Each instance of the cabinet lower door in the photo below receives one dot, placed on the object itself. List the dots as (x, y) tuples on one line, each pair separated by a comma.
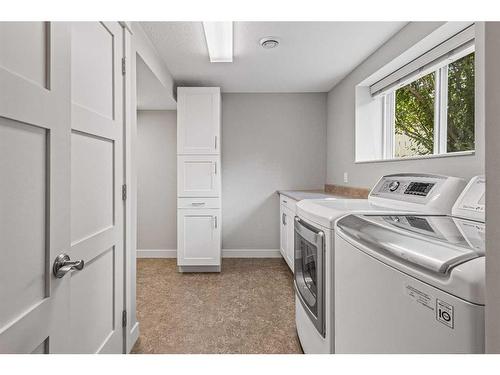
[(284, 220), (198, 238), (290, 234)]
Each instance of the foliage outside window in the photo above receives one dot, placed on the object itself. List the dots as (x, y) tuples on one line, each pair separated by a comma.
[(433, 114)]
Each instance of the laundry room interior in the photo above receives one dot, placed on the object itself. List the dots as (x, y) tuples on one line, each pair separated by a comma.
[(249, 187)]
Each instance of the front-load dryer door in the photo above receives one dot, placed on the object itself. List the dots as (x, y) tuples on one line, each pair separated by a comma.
[(309, 271)]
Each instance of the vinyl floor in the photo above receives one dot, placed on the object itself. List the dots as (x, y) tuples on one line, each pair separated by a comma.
[(247, 308)]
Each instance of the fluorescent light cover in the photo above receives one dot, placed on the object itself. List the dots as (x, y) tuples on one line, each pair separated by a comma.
[(219, 37)]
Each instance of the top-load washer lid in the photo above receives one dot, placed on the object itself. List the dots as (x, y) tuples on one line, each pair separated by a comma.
[(435, 243)]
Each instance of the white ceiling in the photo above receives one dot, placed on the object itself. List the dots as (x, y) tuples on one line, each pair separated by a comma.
[(311, 57)]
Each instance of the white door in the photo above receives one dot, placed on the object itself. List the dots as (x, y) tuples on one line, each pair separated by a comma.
[(198, 176), (61, 167), (199, 240), (96, 301), (283, 231), (198, 120), (34, 185)]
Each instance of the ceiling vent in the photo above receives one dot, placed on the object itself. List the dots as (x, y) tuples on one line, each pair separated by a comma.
[(269, 42)]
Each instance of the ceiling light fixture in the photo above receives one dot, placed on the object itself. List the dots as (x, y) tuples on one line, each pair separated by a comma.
[(269, 42), (219, 37)]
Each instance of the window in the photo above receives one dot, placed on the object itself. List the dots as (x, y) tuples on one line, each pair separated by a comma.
[(433, 114), (421, 104)]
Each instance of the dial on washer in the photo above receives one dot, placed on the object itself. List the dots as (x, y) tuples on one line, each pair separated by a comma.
[(393, 186)]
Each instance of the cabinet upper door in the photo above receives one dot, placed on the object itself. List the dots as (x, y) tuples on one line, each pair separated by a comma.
[(198, 238), (198, 176), (198, 120)]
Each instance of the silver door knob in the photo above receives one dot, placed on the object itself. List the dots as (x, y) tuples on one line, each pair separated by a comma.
[(63, 264)]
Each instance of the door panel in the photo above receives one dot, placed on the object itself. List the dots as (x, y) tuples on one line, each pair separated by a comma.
[(96, 180), (92, 185), (24, 50), (92, 67), (198, 176), (27, 145), (198, 237), (34, 204), (96, 299)]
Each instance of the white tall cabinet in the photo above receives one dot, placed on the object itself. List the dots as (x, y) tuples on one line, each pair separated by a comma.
[(198, 179)]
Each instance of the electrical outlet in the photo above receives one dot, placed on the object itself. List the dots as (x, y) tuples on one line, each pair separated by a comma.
[(346, 177)]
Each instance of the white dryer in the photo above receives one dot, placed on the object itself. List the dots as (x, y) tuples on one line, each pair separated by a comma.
[(412, 283), (315, 245)]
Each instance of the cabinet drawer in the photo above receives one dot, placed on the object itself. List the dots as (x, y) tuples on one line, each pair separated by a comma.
[(198, 203), (288, 202)]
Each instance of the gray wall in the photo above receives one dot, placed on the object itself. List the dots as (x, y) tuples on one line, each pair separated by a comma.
[(269, 142), (341, 123), (156, 180), (492, 114)]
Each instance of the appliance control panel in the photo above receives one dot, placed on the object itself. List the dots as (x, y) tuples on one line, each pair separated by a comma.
[(432, 193), (419, 188), (404, 186)]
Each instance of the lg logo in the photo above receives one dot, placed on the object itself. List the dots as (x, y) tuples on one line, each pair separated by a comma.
[(444, 313)]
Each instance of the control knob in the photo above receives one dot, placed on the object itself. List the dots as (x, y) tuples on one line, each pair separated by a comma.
[(393, 186)]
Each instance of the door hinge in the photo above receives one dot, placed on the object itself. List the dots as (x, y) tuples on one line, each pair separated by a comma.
[(124, 192), (124, 318), (123, 66)]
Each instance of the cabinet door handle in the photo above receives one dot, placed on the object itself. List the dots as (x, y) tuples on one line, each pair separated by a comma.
[(215, 142), (198, 203), (215, 167), (283, 219), (215, 222)]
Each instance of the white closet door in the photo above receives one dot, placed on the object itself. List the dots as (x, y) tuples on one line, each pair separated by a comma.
[(198, 240), (198, 176), (34, 185), (96, 301), (198, 120)]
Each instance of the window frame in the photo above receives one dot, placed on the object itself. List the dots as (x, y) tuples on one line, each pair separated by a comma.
[(440, 111)]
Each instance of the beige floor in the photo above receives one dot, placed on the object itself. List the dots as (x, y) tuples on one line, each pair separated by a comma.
[(247, 308)]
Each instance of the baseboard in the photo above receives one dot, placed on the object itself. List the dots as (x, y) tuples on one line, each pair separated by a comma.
[(251, 253), (226, 253), (156, 253)]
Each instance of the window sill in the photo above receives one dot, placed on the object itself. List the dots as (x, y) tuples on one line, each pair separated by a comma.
[(420, 157)]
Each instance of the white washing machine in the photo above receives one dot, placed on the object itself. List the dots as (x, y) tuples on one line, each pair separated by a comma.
[(412, 283), (314, 243)]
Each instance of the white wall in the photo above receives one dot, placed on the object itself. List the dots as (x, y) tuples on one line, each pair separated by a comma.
[(269, 142), (157, 180), (341, 118)]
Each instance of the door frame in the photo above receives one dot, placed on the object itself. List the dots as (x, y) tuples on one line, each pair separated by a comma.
[(136, 45), (131, 325)]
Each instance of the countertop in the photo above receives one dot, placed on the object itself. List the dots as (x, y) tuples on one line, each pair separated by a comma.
[(299, 195)]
